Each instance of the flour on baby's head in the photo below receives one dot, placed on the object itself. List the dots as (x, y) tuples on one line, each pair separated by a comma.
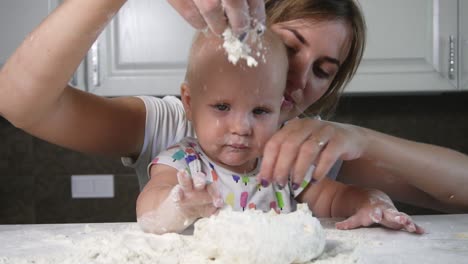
[(208, 59), (211, 54), (237, 49)]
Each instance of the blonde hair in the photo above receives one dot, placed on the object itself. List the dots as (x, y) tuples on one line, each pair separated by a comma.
[(348, 11)]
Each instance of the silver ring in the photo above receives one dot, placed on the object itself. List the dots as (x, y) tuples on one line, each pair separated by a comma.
[(320, 143)]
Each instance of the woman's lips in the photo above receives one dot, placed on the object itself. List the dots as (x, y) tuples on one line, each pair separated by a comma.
[(297, 96), (288, 103)]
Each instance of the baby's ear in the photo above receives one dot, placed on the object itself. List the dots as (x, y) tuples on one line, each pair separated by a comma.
[(186, 99)]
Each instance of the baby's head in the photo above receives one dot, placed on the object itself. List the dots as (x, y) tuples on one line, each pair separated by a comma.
[(234, 108)]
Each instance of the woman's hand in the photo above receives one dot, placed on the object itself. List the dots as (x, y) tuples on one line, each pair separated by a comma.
[(218, 14), (379, 209), (187, 201), (303, 142)]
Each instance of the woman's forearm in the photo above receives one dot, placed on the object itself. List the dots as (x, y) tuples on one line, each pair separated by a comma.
[(38, 71), (439, 172)]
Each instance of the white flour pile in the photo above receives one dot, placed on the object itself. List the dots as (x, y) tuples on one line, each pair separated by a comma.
[(230, 237), (257, 237), (237, 49)]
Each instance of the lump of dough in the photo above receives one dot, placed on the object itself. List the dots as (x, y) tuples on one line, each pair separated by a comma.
[(256, 237)]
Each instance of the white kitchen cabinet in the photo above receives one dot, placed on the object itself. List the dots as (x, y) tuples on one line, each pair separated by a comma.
[(143, 50), (463, 62), (17, 19), (408, 47)]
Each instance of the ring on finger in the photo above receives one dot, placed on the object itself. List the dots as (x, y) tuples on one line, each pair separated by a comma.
[(320, 143)]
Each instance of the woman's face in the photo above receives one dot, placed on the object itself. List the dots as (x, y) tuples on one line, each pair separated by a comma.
[(316, 50)]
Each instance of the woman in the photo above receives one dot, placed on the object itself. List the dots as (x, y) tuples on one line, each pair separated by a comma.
[(416, 173), (35, 97)]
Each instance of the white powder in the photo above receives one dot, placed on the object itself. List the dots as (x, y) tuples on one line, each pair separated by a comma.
[(237, 49), (230, 237), (256, 237)]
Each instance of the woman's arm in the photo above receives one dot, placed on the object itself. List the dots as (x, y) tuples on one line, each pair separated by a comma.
[(35, 95), (416, 173)]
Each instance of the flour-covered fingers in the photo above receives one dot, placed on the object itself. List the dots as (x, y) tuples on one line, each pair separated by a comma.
[(208, 210), (399, 220), (354, 221), (196, 198), (184, 179), (238, 15), (199, 210), (215, 194), (177, 193), (257, 12), (213, 13), (189, 11), (199, 180)]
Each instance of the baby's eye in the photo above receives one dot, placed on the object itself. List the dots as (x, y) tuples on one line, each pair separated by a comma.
[(221, 107), (261, 111)]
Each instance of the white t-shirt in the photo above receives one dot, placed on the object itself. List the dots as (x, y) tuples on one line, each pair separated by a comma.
[(166, 124)]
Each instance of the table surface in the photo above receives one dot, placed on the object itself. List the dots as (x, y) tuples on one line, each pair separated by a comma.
[(446, 241)]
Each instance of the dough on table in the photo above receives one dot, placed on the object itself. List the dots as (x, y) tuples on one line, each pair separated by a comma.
[(256, 237)]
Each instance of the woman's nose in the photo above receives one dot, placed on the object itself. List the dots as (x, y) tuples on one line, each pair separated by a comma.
[(299, 71)]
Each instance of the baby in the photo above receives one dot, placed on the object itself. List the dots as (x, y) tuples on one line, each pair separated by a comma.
[(234, 110)]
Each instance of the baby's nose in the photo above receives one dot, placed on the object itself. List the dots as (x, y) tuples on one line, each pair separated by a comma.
[(241, 125)]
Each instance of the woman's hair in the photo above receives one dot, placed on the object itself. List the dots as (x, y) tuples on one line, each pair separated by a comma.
[(326, 10)]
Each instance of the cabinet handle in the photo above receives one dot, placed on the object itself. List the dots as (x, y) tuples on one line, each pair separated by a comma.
[(95, 64), (451, 69)]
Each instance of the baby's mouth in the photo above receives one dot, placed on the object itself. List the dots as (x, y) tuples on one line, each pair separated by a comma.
[(238, 147)]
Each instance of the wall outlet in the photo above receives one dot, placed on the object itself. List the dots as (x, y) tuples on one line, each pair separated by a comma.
[(92, 186)]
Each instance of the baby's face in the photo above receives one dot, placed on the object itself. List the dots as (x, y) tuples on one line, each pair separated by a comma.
[(236, 109)]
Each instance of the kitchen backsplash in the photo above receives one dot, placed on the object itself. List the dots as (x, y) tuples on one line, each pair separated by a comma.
[(35, 175)]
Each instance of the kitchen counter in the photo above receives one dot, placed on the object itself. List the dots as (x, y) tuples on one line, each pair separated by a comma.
[(446, 241)]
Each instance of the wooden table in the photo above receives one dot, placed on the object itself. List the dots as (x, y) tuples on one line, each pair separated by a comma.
[(446, 242)]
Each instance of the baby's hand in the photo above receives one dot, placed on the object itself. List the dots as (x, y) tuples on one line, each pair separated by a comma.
[(380, 210), (187, 201), (194, 198)]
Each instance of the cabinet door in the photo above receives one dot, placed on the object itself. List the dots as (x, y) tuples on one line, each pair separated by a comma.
[(463, 62), (408, 47), (143, 51)]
